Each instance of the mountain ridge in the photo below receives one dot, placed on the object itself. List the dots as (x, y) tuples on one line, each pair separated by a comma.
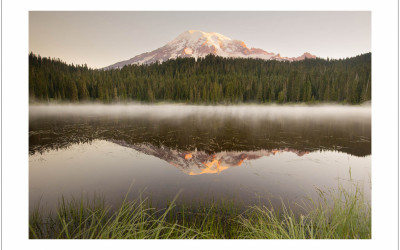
[(196, 43)]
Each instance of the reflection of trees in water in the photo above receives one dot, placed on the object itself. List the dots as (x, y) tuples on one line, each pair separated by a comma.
[(209, 135)]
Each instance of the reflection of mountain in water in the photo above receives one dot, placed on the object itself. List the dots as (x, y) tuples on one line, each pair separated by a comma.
[(200, 162)]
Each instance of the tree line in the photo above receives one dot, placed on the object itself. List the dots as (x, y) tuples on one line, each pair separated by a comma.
[(212, 80)]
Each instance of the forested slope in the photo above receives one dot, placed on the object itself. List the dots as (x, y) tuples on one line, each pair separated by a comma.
[(208, 80)]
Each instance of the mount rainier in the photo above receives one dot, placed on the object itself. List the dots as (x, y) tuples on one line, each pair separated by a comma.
[(196, 43)]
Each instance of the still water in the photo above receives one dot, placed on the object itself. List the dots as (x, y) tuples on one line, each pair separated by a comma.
[(246, 154)]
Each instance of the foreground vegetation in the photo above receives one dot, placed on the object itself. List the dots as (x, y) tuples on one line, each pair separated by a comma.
[(211, 80), (339, 214)]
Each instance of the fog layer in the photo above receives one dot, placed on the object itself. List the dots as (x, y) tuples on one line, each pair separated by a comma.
[(176, 111)]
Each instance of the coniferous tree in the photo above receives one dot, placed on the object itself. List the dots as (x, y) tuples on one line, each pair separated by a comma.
[(208, 80)]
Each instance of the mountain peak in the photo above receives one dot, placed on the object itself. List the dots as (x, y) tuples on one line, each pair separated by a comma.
[(195, 35), (197, 43), (304, 56)]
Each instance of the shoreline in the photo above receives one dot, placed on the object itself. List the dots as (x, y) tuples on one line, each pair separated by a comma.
[(337, 214)]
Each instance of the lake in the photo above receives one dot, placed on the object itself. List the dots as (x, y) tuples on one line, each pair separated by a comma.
[(248, 154)]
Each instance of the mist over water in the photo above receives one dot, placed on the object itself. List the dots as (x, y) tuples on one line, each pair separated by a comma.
[(207, 128), (209, 152), (176, 111)]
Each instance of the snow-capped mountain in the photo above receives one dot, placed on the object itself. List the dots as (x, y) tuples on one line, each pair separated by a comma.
[(196, 43)]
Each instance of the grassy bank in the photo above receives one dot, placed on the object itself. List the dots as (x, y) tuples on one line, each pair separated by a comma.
[(338, 214)]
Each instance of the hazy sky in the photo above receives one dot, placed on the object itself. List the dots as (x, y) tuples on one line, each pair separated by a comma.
[(103, 38)]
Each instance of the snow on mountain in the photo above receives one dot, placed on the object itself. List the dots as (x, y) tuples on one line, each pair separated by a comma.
[(196, 43)]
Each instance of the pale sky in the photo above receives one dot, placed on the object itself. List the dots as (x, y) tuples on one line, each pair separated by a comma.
[(100, 39)]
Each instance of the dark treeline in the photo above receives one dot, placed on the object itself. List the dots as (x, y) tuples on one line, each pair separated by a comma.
[(211, 79)]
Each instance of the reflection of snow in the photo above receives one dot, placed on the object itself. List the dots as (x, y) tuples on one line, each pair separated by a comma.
[(199, 162)]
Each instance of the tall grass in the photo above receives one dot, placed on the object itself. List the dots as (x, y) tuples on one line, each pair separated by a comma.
[(337, 214), (93, 220)]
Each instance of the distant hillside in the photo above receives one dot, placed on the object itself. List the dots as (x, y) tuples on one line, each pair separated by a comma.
[(211, 79)]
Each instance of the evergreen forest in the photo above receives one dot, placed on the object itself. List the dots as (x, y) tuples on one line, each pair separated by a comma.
[(209, 80)]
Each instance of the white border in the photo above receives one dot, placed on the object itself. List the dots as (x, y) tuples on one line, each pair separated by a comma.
[(384, 112)]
